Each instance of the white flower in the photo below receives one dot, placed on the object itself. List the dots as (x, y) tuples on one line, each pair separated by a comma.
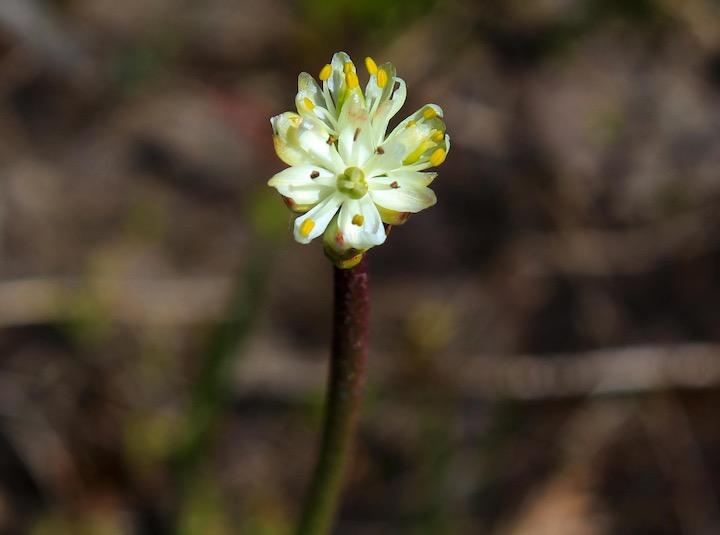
[(346, 176)]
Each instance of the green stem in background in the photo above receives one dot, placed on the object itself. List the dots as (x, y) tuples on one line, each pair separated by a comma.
[(345, 386), (211, 393)]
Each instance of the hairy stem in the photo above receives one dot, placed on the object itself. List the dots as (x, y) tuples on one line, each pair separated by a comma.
[(345, 386)]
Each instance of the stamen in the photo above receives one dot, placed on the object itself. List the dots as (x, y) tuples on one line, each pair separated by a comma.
[(382, 78), (437, 157), (429, 113), (351, 79), (410, 123), (314, 174), (438, 136), (328, 116), (394, 184), (331, 139), (306, 227), (325, 73), (380, 150), (309, 104), (358, 220), (371, 66), (414, 156), (348, 67)]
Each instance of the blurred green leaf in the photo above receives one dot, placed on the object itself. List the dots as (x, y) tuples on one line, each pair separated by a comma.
[(373, 16)]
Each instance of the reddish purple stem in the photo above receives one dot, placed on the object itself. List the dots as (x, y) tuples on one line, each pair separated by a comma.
[(345, 387)]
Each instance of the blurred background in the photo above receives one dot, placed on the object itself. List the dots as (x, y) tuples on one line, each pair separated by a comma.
[(545, 355)]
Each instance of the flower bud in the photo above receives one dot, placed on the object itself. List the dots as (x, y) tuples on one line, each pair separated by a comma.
[(337, 250)]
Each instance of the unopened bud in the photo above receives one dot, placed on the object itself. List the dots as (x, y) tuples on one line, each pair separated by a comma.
[(337, 250)]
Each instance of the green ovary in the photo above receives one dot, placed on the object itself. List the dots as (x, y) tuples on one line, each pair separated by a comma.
[(352, 183)]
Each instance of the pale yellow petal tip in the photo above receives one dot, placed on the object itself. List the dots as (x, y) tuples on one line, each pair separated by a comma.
[(295, 207), (371, 66), (349, 263), (325, 72), (392, 217), (438, 157), (382, 78), (306, 227), (335, 251)]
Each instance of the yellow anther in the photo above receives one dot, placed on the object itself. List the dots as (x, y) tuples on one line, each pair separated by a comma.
[(414, 156), (351, 80), (309, 104), (348, 67), (325, 73), (429, 113), (371, 66), (306, 227), (382, 78), (438, 136), (358, 220), (437, 157), (410, 123)]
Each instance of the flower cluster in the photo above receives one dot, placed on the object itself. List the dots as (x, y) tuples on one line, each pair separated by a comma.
[(347, 177)]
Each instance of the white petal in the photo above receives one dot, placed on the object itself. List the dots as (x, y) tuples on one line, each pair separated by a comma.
[(302, 141), (314, 141), (404, 199), (302, 174), (388, 109), (285, 128), (411, 143), (403, 177), (416, 117), (425, 163), (384, 102), (367, 230), (298, 184), (374, 93), (320, 216), (311, 103), (355, 140), (336, 82), (354, 145), (308, 88)]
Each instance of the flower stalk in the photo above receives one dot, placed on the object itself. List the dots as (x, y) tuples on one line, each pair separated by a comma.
[(345, 387)]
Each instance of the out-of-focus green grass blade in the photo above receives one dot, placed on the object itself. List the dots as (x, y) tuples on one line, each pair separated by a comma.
[(212, 391)]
